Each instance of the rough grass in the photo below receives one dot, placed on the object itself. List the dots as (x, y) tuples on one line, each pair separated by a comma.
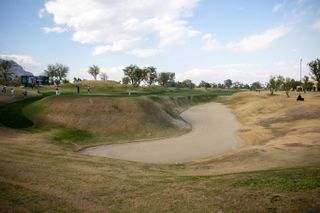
[(266, 118), (278, 132), (40, 177), (106, 120)]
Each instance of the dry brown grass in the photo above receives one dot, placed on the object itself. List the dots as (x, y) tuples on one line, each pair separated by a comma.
[(278, 131), (108, 120), (38, 176)]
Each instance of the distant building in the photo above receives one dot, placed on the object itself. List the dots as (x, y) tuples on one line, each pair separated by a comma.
[(34, 80)]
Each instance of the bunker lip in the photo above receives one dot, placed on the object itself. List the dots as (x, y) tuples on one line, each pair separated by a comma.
[(213, 133)]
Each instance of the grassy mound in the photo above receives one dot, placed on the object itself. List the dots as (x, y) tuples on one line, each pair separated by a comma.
[(110, 119)]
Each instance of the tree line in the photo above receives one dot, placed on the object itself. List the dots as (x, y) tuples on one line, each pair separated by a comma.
[(136, 76)]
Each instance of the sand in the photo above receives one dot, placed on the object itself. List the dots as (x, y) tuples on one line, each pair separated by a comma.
[(213, 132)]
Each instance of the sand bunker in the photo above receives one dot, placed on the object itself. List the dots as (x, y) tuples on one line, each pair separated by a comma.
[(213, 132)]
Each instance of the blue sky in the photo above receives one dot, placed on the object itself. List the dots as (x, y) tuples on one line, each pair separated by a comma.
[(211, 40)]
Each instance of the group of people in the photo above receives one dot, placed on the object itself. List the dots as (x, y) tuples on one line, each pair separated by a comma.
[(4, 91), (78, 89), (25, 93), (57, 89)]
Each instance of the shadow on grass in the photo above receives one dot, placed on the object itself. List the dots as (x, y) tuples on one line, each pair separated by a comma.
[(11, 115)]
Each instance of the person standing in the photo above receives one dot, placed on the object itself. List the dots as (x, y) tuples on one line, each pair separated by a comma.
[(4, 89), (12, 92), (88, 89), (57, 90), (78, 89)]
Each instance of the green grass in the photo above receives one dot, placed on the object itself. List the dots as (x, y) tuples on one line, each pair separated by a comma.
[(67, 135), (22, 199), (284, 180), (11, 115)]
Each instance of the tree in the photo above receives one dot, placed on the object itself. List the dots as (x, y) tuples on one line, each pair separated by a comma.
[(165, 77), (5, 72), (103, 76), (315, 69), (75, 80), (288, 84), (237, 85), (56, 72), (204, 84), (62, 72), (51, 73), (125, 80), (228, 83), (275, 83), (94, 70), (151, 75), (307, 85), (256, 85), (135, 74), (272, 84)]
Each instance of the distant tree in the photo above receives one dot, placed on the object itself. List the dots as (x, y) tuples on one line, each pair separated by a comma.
[(94, 70), (237, 85), (228, 83), (246, 86), (288, 84), (221, 86), (275, 83), (204, 84), (151, 75), (165, 77), (5, 73), (214, 85), (315, 69), (56, 73), (272, 84), (62, 72), (51, 73), (135, 74), (125, 80), (103, 76), (188, 84), (256, 85), (75, 80), (307, 85)]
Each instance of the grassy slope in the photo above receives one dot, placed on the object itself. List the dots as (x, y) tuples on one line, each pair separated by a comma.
[(105, 115), (38, 176), (104, 120), (278, 131)]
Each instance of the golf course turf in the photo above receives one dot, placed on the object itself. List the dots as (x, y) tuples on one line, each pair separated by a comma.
[(277, 170)]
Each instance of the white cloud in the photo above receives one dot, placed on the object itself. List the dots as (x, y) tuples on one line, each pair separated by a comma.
[(209, 43), (130, 26), (259, 41), (27, 62), (53, 29), (316, 25), (277, 7)]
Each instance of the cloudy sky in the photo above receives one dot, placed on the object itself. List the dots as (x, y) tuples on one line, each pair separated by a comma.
[(211, 40)]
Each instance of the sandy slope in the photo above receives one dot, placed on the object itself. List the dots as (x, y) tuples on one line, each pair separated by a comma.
[(214, 132)]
